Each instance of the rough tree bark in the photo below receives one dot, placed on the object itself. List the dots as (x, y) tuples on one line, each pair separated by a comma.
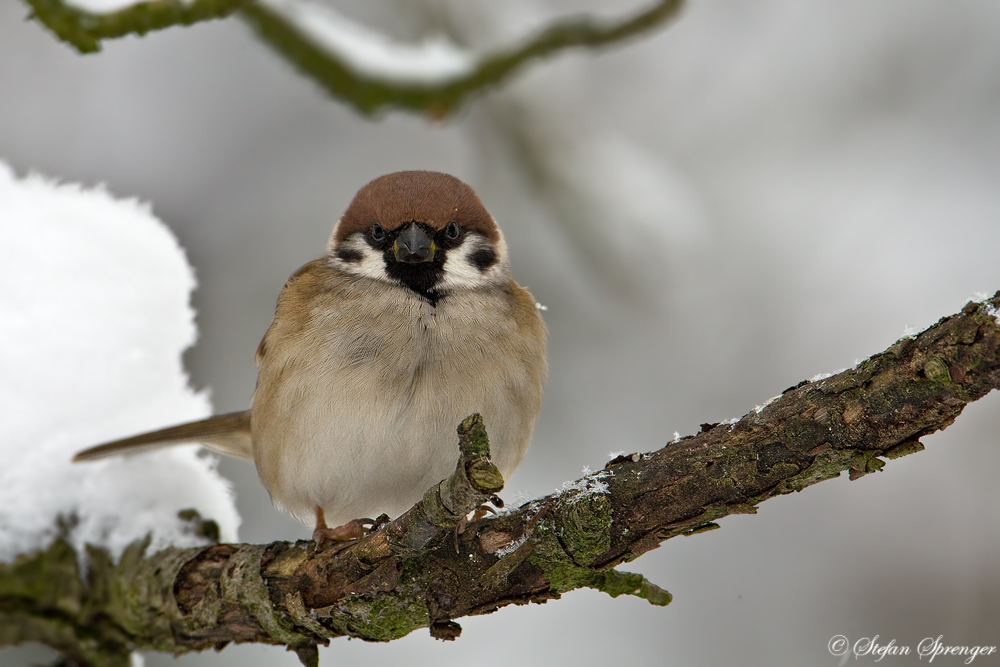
[(429, 567)]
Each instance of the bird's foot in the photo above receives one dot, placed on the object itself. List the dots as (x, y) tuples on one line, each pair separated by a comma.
[(352, 530), (476, 515)]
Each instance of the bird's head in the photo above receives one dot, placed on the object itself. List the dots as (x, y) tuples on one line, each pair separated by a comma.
[(421, 229)]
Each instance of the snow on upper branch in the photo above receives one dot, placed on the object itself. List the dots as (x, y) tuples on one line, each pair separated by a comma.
[(94, 316), (105, 6), (372, 54)]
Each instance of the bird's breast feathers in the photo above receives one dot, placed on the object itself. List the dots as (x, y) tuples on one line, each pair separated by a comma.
[(361, 387)]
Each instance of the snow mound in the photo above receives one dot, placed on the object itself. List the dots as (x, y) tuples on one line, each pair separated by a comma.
[(94, 316)]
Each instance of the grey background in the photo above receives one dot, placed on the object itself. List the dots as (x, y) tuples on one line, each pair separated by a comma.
[(829, 176)]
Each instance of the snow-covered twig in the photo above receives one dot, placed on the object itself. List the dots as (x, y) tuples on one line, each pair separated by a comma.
[(355, 64)]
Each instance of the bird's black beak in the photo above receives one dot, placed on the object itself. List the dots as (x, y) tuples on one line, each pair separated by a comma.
[(413, 245)]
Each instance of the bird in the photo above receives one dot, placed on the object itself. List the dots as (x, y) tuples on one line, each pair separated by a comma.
[(408, 323)]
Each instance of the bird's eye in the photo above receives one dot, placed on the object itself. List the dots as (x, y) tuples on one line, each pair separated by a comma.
[(451, 231), (378, 234)]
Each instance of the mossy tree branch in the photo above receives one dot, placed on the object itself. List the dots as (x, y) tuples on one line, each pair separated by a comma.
[(85, 31), (369, 94), (366, 93), (428, 568)]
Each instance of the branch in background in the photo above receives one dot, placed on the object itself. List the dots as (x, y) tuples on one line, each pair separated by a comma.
[(330, 62), (363, 69), (426, 568), (85, 29)]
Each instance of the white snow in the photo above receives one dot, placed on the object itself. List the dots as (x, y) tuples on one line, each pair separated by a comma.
[(94, 316), (105, 6), (823, 376), (977, 297), (371, 53), (760, 408), (993, 312)]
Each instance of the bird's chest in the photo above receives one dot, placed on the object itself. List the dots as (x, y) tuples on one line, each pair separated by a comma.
[(401, 353), (361, 405)]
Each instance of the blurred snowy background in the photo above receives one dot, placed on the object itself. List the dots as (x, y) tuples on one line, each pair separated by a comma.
[(759, 193)]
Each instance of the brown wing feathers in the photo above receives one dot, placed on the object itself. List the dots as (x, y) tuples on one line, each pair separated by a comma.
[(223, 434)]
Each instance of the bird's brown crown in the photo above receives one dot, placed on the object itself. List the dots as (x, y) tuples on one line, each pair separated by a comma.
[(428, 197)]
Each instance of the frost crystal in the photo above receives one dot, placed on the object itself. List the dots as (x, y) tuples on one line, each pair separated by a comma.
[(993, 312), (511, 547), (590, 483), (522, 497)]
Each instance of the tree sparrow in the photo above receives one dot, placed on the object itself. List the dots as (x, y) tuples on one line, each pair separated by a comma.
[(409, 323)]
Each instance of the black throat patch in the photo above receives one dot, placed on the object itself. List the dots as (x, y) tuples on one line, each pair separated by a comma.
[(421, 277)]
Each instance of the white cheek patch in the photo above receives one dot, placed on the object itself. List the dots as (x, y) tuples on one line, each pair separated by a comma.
[(370, 265), (461, 272)]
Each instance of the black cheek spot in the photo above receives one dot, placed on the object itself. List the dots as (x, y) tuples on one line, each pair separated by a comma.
[(349, 255), (483, 258)]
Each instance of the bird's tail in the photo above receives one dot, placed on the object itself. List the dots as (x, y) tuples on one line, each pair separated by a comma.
[(223, 434)]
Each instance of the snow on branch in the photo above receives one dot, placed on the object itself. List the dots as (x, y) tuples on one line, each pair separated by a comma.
[(371, 73), (430, 566), (370, 54), (353, 63), (94, 316)]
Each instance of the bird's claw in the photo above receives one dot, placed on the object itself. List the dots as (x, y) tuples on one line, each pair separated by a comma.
[(352, 530)]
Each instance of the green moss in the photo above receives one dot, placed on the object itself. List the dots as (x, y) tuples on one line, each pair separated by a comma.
[(548, 554), (564, 574), (385, 617), (584, 527), (485, 477), (936, 370), (51, 578), (49, 581), (85, 30), (472, 437), (827, 465), (904, 449), (616, 583), (703, 528)]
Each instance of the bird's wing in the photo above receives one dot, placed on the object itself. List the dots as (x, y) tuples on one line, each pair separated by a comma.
[(224, 434)]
